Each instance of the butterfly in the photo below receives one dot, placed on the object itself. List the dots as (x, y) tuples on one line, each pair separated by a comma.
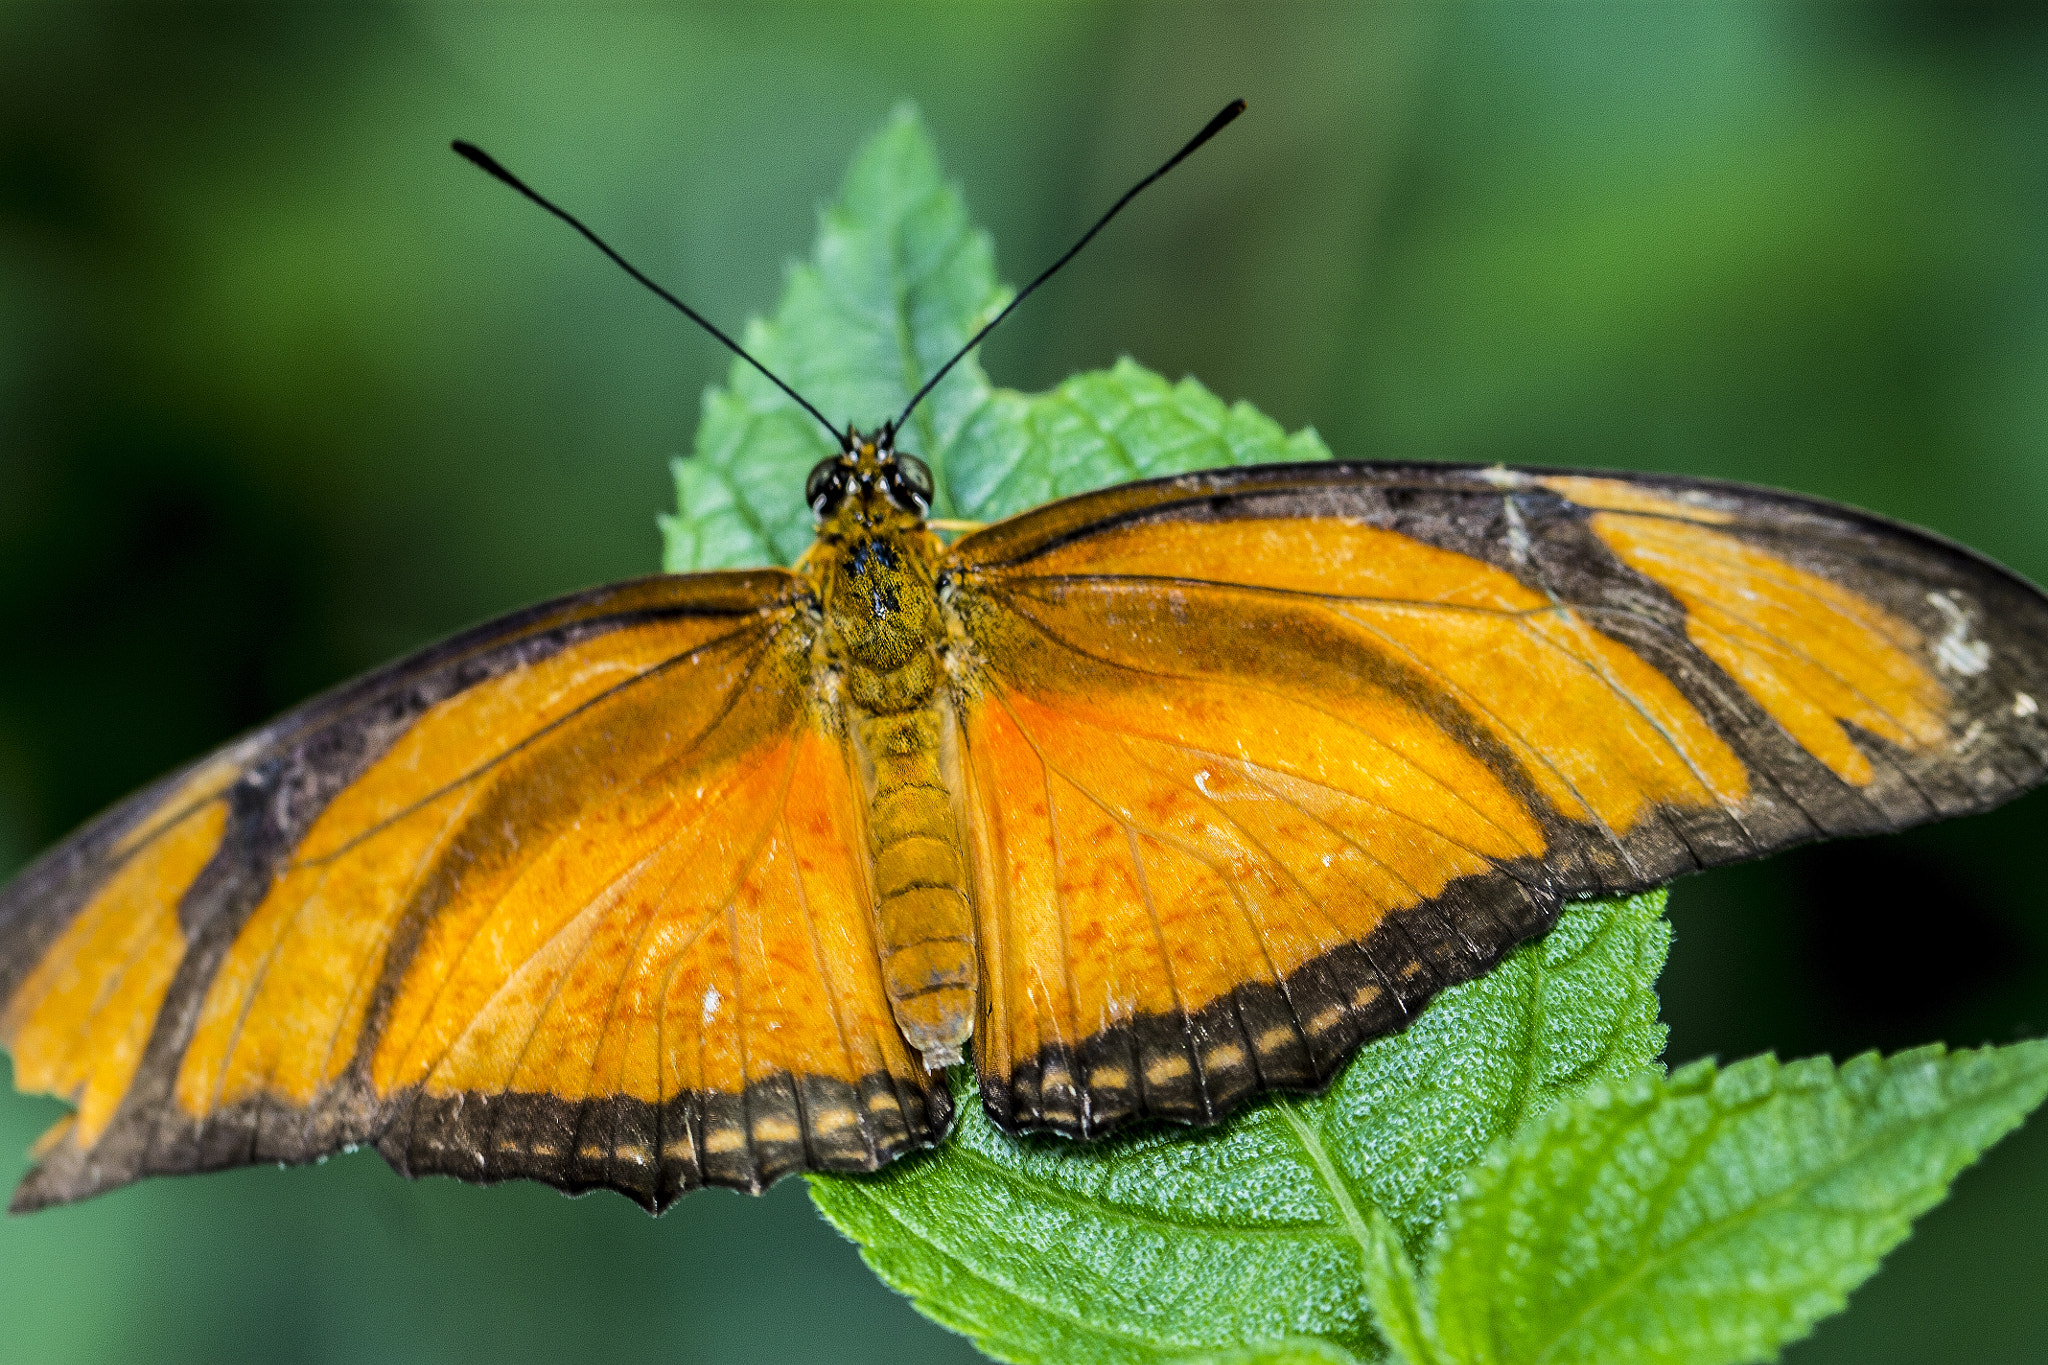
[(1144, 803)]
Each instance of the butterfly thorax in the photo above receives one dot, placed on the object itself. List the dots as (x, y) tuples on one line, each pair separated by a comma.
[(873, 567)]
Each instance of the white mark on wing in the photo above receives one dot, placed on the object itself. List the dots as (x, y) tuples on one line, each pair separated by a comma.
[(710, 1003), (1518, 533), (1500, 476), (1202, 782), (2023, 705), (1956, 651)]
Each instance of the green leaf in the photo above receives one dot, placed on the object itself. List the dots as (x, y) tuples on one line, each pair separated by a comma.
[(1393, 1290), (1152, 1247), (1296, 1351), (1717, 1215), (897, 281)]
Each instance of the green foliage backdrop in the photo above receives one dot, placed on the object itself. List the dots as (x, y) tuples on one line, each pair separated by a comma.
[(285, 389)]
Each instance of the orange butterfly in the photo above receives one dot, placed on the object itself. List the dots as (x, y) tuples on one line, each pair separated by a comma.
[(1149, 801)]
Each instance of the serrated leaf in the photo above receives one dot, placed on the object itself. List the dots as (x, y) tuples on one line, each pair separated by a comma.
[(897, 281), (1716, 1215), (1168, 1243), (1106, 427)]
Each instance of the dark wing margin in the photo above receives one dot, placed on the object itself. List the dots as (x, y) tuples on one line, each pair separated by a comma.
[(114, 944), (1633, 677), (306, 755)]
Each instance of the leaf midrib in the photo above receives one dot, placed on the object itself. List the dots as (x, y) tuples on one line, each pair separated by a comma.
[(1777, 1202), (1071, 1202), (978, 1271), (1335, 1184)]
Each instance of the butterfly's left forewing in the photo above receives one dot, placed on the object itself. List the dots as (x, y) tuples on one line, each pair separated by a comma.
[(1259, 760), (579, 896)]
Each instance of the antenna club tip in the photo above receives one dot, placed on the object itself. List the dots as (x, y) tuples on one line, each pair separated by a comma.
[(1224, 118), (485, 162)]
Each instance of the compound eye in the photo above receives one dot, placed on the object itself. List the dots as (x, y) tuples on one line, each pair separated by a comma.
[(915, 476), (823, 483)]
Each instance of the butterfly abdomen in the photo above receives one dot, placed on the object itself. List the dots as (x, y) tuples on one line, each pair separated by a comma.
[(885, 618)]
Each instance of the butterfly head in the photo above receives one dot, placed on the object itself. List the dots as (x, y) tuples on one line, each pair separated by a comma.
[(869, 483)]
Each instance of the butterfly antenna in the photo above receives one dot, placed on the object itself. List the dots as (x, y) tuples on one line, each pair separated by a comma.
[(1213, 127), (484, 161)]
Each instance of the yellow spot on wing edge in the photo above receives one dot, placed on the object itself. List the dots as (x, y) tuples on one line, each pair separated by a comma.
[(1276, 1037), (725, 1138), (773, 1129), (1225, 1057), (1168, 1068), (834, 1120)]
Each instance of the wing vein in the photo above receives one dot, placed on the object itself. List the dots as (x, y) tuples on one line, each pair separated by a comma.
[(803, 906), (1236, 892), (1180, 1008), (725, 710), (1443, 785), (609, 694)]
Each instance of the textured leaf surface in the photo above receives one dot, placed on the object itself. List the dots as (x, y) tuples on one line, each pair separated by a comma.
[(1714, 1216), (1300, 1351), (897, 281), (1392, 1288), (1166, 1244)]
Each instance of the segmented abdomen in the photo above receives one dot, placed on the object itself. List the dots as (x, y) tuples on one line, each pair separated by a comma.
[(926, 928)]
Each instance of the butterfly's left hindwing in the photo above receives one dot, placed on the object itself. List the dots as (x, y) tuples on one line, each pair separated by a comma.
[(1259, 760), (576, 896)]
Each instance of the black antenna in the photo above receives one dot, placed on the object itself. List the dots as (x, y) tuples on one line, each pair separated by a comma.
[(483, 160), (1214, 126)]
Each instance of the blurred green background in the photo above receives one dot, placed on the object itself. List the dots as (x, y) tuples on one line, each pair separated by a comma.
[(286, 389)]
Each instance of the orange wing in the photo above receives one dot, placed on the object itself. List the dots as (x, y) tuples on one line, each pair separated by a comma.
[(1259, 760), (578, 896)]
